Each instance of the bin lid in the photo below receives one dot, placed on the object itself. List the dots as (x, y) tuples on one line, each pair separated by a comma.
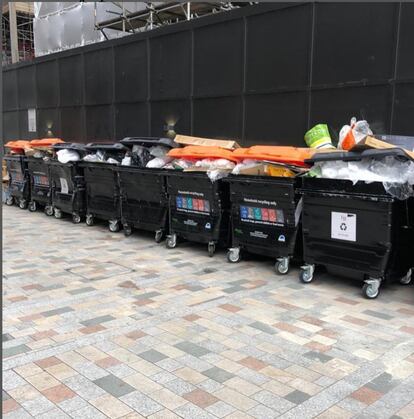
[(70, 146), (149, 142), (358, 155), (116, 147)]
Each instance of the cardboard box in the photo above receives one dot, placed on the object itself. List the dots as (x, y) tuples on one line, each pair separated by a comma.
[(188, 140), (258, 170), (372, 142)]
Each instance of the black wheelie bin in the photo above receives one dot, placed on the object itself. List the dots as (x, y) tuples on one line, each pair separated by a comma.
[(198, 209), (68, 185), (265, 218), (101, 183), (19, 180), (144, 202), (356, 230), (40, 185)]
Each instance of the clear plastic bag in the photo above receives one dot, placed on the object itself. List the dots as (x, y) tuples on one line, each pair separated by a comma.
[(245, 164), (158, 151), (140, 156), (158, 162), (352, 134)]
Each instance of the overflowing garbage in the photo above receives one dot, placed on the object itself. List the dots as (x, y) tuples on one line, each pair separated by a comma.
[(346, 203)]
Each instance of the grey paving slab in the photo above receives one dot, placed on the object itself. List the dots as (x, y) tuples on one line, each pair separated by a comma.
[(114, 385)]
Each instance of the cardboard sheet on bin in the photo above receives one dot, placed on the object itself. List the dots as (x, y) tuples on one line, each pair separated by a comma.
[(189, 140), (372, 142)]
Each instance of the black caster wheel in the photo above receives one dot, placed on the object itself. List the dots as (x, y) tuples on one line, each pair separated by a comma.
[(10, 201), (306, 275), (233, 255), (406, 279), (58, 213), (32, 206), (76, 218), (211, 248), (371, 290), (89, 220), (282, 266), (159, 234), (114, 226), (22, 204), (171, 241), (49, 210), (127, 230)]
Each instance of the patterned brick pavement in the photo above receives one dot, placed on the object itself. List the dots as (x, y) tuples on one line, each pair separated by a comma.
[(98, 325)]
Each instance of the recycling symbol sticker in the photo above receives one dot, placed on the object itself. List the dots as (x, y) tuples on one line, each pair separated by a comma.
[(343, 226)]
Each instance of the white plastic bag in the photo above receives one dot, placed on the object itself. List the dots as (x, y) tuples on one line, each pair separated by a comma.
[(352, 134), (126, 161), (65, 156), (158, 151), (158, 162), (245, 164)]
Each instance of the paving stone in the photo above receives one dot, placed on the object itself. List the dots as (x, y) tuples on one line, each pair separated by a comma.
[(263, 327), (114, 386), (15, 350), (378, 314), (152, 356), (97, 320), (297, 397), (81, 290), (218, 374), (6, 337), (56, 311), (192, 348), (141, 403)]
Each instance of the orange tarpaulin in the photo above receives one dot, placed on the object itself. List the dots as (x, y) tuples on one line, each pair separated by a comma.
[(45, 142), (280, 154), (194, 152), (18, 146)]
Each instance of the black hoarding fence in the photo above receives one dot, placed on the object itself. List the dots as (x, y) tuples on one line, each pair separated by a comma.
[(261, 74)]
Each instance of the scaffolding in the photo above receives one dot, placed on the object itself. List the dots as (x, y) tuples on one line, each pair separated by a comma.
[(24, 32), (153, 15)]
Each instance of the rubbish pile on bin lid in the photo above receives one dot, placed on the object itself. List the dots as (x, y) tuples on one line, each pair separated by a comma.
[(69, 152), (362, 157), (148, 152), (43, 148), (111, 153)]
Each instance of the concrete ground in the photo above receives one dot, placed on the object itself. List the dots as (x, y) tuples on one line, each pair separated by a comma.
[(98, 325)]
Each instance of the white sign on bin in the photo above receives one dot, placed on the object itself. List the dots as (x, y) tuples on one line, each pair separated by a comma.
[(343, 226)]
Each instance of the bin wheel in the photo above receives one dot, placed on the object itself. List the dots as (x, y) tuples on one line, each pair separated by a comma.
[(10, 201), (22, 204), (32, 206), (58, 213), (306, 274), (233, 255), (371, 289), (159, 234), (89, 220), (76, 218), (282, 266), (127, 230), (406, 279), (49, 210), (211, 248), (171, 241), (114, 226)]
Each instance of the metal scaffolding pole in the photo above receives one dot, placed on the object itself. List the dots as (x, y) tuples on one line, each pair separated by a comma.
[(13, 33)]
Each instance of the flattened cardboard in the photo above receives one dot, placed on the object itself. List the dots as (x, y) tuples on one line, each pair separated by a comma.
[(188, 140)]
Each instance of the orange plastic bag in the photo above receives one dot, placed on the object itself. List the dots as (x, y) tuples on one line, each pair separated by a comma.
[(281, 154), (194, 152)]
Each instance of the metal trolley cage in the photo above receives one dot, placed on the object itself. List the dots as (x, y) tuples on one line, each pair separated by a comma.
[(68, 184), (19, 180), (358, 231), (265, 218), (198, 210), (40, 185), (102, 188)]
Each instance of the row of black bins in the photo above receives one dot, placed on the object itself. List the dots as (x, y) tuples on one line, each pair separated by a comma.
[(358, 230)]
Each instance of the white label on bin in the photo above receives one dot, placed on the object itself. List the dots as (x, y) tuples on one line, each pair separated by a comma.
[(64, 185), (343, 226)]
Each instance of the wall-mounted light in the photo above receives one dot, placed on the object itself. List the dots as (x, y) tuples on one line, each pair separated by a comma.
[(169, 129), (49, 132)]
